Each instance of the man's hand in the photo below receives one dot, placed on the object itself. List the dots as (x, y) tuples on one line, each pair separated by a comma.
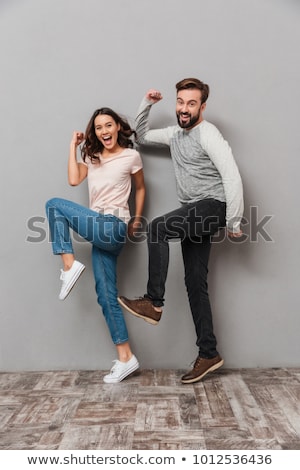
[(235, 234), (154, 95)]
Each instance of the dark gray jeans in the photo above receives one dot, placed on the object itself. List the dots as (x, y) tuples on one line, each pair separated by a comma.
[(193, 224)]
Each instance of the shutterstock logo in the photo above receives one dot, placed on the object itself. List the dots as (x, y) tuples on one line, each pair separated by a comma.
[(255, 229), (258, 230)]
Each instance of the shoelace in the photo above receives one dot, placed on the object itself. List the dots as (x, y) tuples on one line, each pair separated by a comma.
[(193, 363), (62, 275), (115, 367)]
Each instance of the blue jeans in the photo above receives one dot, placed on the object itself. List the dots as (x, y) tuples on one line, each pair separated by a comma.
[(193, 224), (107, 234)]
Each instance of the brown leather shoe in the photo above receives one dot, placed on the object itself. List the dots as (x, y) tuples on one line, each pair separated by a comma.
[(201, 367), (142, 308)]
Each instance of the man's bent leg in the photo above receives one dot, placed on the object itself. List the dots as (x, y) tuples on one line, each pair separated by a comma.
[(160, 230), (202, 217)]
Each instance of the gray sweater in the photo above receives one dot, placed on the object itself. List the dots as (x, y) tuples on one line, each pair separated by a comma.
[(203, 163)]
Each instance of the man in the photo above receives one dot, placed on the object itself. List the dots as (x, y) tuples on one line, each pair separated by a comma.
[(210, 191)]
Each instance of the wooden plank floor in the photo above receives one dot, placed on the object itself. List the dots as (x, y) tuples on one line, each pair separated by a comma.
[(229, 409)]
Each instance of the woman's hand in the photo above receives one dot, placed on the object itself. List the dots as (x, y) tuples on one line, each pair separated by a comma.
[(135, 227), (77, 172), (77, 138)]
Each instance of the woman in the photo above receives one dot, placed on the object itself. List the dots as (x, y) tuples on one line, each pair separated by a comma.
[(110, 163)]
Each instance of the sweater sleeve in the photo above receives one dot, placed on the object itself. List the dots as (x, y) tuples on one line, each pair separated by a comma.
[(221, 155), (144, 134)]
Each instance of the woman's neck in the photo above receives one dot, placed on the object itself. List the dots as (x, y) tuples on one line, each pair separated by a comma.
[(107, 153)]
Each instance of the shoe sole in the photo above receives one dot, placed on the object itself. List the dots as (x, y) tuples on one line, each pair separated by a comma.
[(131, 371), (211, 369), (73, 282), (147, 319)]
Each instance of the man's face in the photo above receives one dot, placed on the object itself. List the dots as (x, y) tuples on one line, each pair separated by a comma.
[(189, 108)]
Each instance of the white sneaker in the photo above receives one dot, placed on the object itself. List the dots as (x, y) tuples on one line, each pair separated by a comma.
[(120, 370), (69, 278)]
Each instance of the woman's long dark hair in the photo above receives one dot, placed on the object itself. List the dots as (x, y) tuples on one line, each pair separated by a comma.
[(93, 146)]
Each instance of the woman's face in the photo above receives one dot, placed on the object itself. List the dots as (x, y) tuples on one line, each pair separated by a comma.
[(106, 130)]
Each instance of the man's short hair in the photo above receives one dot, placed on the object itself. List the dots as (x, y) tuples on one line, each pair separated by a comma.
[(194, 83)]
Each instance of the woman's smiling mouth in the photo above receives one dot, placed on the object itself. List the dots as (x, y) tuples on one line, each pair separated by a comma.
[(107, 140)]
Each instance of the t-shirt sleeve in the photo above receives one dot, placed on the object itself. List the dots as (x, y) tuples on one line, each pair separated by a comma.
[(137, 163)]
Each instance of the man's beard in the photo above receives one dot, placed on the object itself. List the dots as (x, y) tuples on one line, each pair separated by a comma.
[(190, 123)]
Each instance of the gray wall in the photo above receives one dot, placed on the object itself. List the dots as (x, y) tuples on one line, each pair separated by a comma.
[(60, 59)]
